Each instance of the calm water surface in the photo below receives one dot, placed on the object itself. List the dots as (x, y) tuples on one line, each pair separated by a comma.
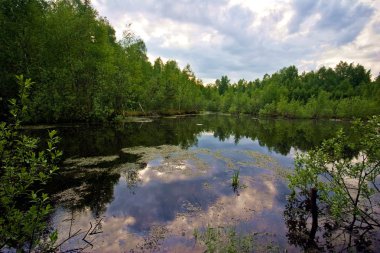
[(153, 186)]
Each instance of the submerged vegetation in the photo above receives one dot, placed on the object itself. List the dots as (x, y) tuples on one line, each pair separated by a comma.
[(85, 74)]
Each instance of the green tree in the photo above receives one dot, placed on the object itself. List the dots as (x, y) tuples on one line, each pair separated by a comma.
[(22, 35), (222, 84)]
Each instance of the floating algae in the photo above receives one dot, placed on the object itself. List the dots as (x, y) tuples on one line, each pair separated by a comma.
[(153, 241), (89, 161), (229, 163), (169, 163), (170, 159), (264, 161), (112, 163), (175, 162), (70, 195), (150, 153)]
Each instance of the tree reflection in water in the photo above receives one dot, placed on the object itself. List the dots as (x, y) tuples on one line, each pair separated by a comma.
[(96, 172), (320, 233)]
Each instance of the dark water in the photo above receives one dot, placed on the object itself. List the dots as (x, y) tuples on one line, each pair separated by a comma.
[(153, 186)]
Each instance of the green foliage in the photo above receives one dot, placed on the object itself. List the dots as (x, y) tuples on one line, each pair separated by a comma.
[(268, 110), (343, 92), (222, 84), (85, 74), (235, 180), (22, 35), (344, 173), (222, 239), (25, 168)]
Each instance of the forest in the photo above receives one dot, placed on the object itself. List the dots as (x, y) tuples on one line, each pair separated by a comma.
[(82, 73)]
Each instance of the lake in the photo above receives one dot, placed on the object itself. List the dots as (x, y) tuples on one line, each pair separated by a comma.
[(165, 184)]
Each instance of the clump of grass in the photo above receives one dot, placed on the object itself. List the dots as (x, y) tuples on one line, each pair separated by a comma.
[(196, 234), (235, 180), (224, 239)]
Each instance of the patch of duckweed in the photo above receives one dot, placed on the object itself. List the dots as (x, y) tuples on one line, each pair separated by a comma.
[(189, 208), (71, 195), (153, 241), (89, 161), (229, 163), (174, 159), (150, 153), (264, 161)]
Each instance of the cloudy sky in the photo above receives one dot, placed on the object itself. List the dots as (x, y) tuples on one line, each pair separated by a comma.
[(248, 38)]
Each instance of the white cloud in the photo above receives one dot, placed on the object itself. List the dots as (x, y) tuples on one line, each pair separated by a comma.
[(246, 39)]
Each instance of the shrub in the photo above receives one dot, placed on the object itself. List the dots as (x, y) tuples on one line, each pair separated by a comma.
[(24, 170)]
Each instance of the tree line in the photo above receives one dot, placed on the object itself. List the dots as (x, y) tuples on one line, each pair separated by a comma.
[(83, 73), (345, 91)]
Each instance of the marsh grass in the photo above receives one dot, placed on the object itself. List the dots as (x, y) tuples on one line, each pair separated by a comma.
[(235, 180), (223, 239)]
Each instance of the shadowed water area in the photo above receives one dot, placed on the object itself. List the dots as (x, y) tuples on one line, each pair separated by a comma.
[(165, 185)]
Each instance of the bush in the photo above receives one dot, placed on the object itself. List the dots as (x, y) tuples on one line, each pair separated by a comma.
[(344, 174), (24, 170), (269, 110)]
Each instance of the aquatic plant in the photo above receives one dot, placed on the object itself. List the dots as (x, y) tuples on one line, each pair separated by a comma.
[(196, 234), (224, 239), (235, 180)]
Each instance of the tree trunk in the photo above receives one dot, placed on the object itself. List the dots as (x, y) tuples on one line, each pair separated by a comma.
[(314, 214)]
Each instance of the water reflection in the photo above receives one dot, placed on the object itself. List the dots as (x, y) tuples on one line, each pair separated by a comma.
[(179, 208), (93, 190), (277, 135), (154, 183), (322, 234)]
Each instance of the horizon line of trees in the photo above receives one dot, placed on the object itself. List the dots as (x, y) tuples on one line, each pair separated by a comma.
[(83, 73), (345, 91), (80, 70)]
